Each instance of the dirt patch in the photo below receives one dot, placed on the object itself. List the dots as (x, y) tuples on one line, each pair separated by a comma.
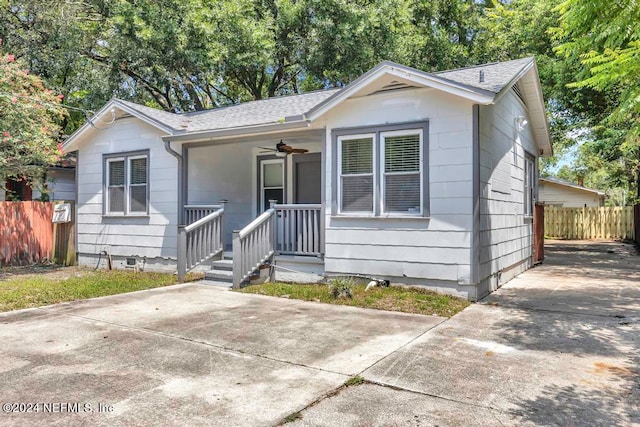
[(606, 368)]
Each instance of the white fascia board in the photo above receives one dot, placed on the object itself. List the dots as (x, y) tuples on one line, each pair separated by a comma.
[(236, 131), (70, 144)]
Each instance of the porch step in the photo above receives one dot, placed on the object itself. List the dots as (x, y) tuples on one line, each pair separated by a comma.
[(217, 284), (222, 264), (219, 275)]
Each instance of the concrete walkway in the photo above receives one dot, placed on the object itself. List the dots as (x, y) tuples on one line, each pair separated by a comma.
[(558, 345)]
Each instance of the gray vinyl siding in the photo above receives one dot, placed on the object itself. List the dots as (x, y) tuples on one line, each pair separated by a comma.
[(433, 250), (505, 233), (61, 185), (150, 236)]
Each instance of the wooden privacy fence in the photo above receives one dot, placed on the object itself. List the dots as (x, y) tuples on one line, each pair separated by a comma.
[(26, 232), (636, 211), (27, 235), (589, 223)]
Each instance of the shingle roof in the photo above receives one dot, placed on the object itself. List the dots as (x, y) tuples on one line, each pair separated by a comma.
[(250, 113), (277, 109), (554, 180), (496, 75)]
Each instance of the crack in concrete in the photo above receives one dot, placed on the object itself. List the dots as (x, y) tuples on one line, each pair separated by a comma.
[(204, 343)]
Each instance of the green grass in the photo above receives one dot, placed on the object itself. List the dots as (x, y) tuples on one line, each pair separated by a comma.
[(408, 300), (357, 380), (50, 286)]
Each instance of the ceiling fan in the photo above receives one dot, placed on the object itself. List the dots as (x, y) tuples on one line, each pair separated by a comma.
[(283, 149)]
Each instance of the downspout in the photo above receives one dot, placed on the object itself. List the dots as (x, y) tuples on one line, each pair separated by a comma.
[(167, 146), (181, 254), (475, 232)]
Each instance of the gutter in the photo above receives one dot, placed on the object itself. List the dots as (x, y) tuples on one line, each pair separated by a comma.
[(299, 122)]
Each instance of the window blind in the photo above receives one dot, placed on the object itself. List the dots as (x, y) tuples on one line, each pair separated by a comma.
[(116, 186), (357, 175), (402, 177), (138, 184)]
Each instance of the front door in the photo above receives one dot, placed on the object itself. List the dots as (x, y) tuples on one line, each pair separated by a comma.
[(271, 181), (307, 178)]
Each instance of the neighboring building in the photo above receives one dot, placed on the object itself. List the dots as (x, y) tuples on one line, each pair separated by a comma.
[(558, 192), (60, 182), (421, 178)]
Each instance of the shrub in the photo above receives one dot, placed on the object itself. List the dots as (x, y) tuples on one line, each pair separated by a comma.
[(341, 287)]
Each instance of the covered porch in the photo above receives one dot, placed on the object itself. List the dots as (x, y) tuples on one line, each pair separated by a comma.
[(246, 205)]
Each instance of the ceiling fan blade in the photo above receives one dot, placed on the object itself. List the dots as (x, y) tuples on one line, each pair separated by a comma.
[(299, 150), (268, 148)]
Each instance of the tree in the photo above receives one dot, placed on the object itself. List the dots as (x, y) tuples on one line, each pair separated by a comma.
[(605, 37), (29, 123)]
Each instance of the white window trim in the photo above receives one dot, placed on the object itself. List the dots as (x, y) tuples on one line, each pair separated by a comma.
[(263, 202), (529, 188), (126, 157), (383, 174), (372, 174)]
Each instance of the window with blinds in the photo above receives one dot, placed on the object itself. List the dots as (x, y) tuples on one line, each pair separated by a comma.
[(127, 185), (116, 184), (401, 173), (380, 171), (138, 184), (356, 174)]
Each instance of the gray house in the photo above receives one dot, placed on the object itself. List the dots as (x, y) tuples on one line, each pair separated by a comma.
[(420, 178)]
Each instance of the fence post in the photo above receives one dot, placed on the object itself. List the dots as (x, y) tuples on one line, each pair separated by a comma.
[(182, 253), (237, 259)]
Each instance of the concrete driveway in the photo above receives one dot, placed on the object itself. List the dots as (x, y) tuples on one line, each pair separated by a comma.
[(187, 355), (558, 345)]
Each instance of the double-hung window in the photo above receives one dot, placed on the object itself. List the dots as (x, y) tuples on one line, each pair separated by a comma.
[(529, 184), (402, 172), (127, 184), (356, 173), (381, 172)]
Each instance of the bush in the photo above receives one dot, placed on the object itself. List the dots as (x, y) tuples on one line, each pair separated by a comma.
[(341, 287)]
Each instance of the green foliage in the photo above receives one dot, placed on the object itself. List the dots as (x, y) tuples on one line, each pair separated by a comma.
[(52, 285), (357, 380), (29, 122), (408, 300), (605, 38), (341, 287)]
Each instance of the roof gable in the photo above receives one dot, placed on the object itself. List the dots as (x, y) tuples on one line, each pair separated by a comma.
[(482, 84)]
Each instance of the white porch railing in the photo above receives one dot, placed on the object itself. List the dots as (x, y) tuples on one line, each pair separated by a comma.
[(282, 229), (253, 246), (299, 229), (193, 213), (199, 242)]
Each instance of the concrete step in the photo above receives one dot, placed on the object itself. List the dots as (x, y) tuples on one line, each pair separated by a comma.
[(219, 275), (216, 283), (222, 264)]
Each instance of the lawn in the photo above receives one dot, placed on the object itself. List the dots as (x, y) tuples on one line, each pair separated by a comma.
[(408, 300), (34, 286)]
